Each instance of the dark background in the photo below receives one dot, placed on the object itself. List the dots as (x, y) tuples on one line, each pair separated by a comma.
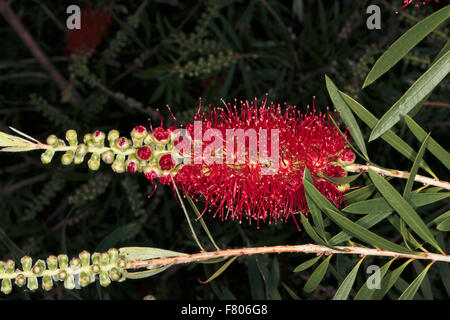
[(278, 47)]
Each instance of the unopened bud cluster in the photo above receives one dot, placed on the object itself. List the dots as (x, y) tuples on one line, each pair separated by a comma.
[(151, 153), (75, 273)]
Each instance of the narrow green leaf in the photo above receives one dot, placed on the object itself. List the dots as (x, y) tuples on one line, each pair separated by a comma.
[(418, 91), (291, 292), (344, 289), (389, 136), (311, 232), (433, 146), (403, 208), (380, 205), (307, 264), (389, 280), (359, 194), (444, 225), (147, 253), (220, 270), (348, 225), (342, 180), (257, 289), (405, 43), (147, 273), (414, 168), (440, 218), (425, 287), (317, 276), (317, 217), (411, 291), (365, 293), (346, 115)]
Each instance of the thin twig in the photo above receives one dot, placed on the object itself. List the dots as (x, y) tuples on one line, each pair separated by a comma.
[(398, 174), (437, 104), (304, 248)]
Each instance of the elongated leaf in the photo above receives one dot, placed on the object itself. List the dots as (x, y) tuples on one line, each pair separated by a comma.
[(366, 293), (346, 115), (380, 205), (147, 273), (344, 289), (417, 92), (405, 43), (440, 218), (389, 280), (411, 291), (311, 232), (220, 270), (348, 225), (257, 289), (425, 287), (146, 253), (317, 276), (359, 194), (444, 225), (307, 264), (403, 208), (389, 136), (415, 167), (433, 146), (291, 292), (317, 217), (343, 180)]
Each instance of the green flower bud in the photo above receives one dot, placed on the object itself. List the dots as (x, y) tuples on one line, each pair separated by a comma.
[(69, 283), (108, 156), (114, 274), (113, 135), (95, 258), (47, 156), (98, 137), (94, 162), (63, 261), (20, 280), (52, 263), (26, 263), (113, 255), (9, 266), (343, 187), (47, 283), (84, 279), (67, 158), (118, 167), (88, 139), (104, 279), (122, 143), (71, 137), (62, 275), (81, 150), (104, 259), (95, 268), (6, 286), (75, 263), (85, 258), (37, 269), (122, 263), (32, 283), (52, 140), (2, 267)]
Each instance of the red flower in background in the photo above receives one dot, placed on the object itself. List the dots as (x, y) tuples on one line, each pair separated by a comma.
[(242, 191), (416, 4), (95, 23)]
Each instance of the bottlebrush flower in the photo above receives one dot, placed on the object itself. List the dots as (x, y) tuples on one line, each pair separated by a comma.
[(242, 190), (95, 23)]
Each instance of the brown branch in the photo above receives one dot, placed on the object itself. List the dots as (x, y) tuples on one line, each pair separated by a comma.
[(437, 104), (28, 40), (304, 248), (398, 174)]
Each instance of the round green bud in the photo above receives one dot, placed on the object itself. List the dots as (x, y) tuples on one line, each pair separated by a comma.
[(87, 139), (71, 137), (32, 283), (62, 275), (108, 156), (85, 258), (67, 158), (37, 269), (52, 140), (113, 255), (104, 259), (95, 268), (75, 262), (122, 143), (98, 137), (52, 262), (113, 135), (63, 261), (20, 280), (26, 263), (81, 150), (118, 167), (47, 283), (104, 279), (122, 263), (10, 265), (69, 283), (6, 286), (94, 165), (114, 274), (84, 279), (95, 258), (47, 156), (343, 187)]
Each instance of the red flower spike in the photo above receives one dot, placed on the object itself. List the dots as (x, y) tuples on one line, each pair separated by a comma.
[(144, 153), (242, 191), (95, 23), (416, 4), (347, 156), (166, 162)]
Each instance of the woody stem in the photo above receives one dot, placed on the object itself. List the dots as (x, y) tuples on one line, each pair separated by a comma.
[(304, 248), (356, 167)]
